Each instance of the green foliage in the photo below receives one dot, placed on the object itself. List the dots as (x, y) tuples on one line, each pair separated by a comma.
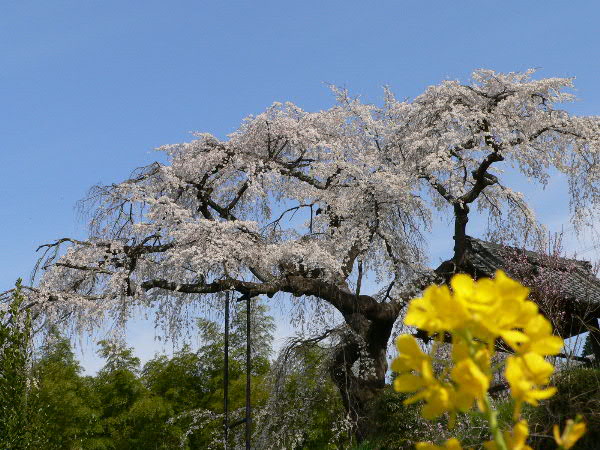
[(472, 427), (19, 409), (125, 406), (394, 425), (132, 416), (48, 404), (325, 406), (365, 445), (118, 357), (399, 426), (203, 372), (303, 409), (578, 393), (70, 404), (177, 380), (178, 383)]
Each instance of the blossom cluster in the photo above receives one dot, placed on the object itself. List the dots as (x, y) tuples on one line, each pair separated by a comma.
[(320, 193), (476, 317)]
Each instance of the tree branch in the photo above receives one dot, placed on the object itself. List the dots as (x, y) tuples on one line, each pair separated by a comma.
[(482, 178)]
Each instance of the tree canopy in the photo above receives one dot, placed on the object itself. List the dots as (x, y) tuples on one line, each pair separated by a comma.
[(306, 203)]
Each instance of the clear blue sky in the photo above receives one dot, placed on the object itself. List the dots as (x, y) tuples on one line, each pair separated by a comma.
[(89, 88)]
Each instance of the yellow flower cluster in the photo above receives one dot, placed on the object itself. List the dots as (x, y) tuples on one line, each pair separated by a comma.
[(573, 431), (474, 316)]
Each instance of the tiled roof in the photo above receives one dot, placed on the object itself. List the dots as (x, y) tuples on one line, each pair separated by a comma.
[(581, 284)]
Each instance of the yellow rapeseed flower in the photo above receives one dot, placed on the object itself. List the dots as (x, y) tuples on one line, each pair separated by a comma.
[(437, 311), (573, 431), (515, 440), (420, 378), (475, 314), (410, 356), (437, 396), (470, 293), (489, 308), (507, 309), (450, 444), (524, 374), (472, 383), (437, 401), (541, 339), (461, 348), (407, 382)]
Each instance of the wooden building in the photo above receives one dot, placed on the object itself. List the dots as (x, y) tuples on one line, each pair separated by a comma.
[(573, 288)]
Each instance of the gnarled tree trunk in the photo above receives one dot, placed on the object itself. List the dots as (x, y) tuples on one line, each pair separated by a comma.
[(359, 366)]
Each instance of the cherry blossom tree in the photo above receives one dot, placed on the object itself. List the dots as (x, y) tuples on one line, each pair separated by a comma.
[(311, 203)]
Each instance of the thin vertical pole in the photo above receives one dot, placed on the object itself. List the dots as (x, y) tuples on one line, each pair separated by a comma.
[(248, 370), (226, 373)]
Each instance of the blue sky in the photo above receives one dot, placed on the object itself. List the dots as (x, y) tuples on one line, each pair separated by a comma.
[(89, 88)]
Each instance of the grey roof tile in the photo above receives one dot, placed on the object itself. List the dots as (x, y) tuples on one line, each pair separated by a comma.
[(581, 285)]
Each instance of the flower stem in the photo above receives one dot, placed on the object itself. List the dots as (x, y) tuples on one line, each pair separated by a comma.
[(492, 418), (490, 413)]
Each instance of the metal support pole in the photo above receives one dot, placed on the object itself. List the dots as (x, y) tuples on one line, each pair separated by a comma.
[(248, 370), (226, 374)]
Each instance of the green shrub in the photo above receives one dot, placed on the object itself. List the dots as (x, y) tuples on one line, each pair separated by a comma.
[(398, 426), (578, 393)]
